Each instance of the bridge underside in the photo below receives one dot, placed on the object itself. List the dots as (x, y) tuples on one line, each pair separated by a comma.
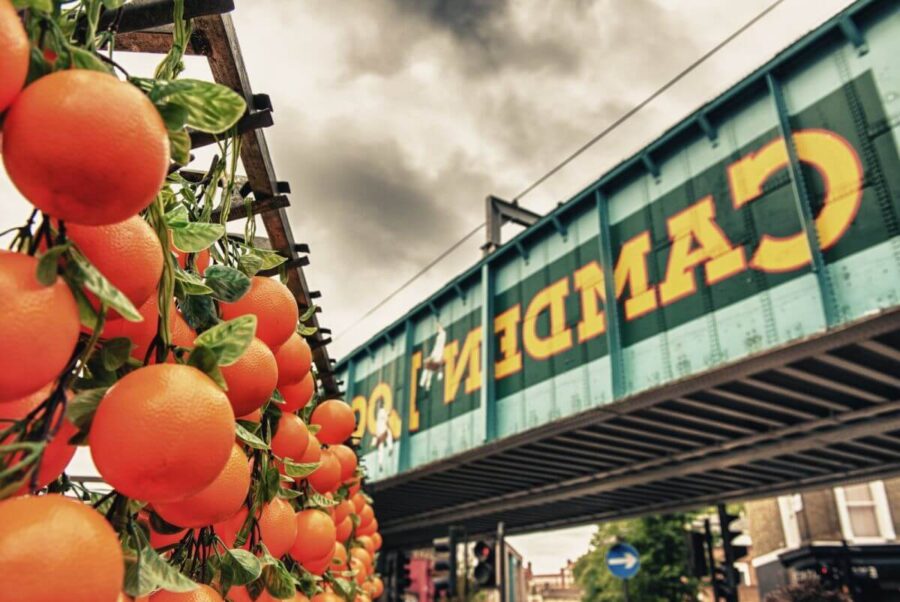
[(819, 411)]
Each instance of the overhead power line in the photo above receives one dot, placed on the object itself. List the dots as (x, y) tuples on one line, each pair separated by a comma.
[(602, 134)]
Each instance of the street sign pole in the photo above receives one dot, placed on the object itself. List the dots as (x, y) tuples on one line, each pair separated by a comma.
[(624, 562), (501, 563), (625, 590)]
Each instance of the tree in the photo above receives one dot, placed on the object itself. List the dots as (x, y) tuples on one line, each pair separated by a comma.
[(663, 575)]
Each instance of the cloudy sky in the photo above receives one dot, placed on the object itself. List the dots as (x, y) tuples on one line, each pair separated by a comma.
[(395, 118)]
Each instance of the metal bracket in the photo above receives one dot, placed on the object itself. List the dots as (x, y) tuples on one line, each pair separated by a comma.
[(708, 129), (650, 164), (499, 212), (459, 291), (523, 252), (560, 227), (853, 34)]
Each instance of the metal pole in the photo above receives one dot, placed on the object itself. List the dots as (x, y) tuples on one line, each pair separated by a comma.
[(707, 529), (501, 564), (625, 589), (465, 590)]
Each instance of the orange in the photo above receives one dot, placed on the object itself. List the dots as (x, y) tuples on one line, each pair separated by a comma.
[(239, 593), (201, 259), (359, 502), (367, 543), (81, 164), (294, 360), (339, 558), (344, 529), (359, 569), (327, 597), (348, 460), (291, 437), (369, 528), (313, 451), (14, 58), (161, 540), (219, 500), (376, 539), (127, 253), (363, 556), (297, 395), (38, 327), (162, 433), (254, 416), (274, 306), (142, 333), (378, 587), (363, 598), (336, 419), (355, 486), (342, 510), (315, 536), (278, 527), (366, 515), (251, 379), (228, 529), (53, 548), (319, 565), (327, 477), (58, 452), (203, 593)]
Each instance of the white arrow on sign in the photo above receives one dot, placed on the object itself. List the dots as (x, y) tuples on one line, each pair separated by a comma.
[(628, 559)]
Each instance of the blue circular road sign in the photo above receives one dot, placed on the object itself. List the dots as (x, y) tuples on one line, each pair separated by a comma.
[(623, 561)]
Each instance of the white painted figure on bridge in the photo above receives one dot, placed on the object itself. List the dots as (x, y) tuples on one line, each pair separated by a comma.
[(384, 438), (434, 363)]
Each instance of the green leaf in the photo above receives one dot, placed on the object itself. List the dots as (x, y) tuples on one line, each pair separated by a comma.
[(150, 571), (84, 59), (174, 116), (306, 331), (45, 6), (270, 259), (243, 566), (318, 500), (113, 4), (343, 588), (314, 429), (228, 284), (279, 581), (177, 217), (207, 362), (288, 494), (310, 312), (180, 147), (249, 438), (271, 483), (228, 340), (199, 311), (115, 353), (81, 408), (194, 237), (249, 264), (97, 283), (48, 264), (299, 471), (191, 283), (210, 107)]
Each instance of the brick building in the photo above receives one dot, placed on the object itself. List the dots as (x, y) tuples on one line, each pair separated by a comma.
[(843, 534)]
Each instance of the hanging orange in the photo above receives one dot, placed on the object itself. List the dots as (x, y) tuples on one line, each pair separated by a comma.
[(217, 501), (55, 548), (327, 477), (291, 437), (14, 58), (347, 458), (203, 593), (335, 419), (316, 536), (274, 307), (59, 149), (162, 433), (38, 327), (297, 395), (294, 359), (128, 253), (251, 379)]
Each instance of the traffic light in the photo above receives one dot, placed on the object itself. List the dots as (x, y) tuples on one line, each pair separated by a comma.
[(404, 578), (730, 532), (485, 571), (696, 553), (443, 574)]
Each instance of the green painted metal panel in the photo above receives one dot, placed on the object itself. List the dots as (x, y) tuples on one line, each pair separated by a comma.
[(704, 239)]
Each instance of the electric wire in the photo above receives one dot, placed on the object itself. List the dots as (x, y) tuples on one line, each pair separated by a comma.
[(580, 150)]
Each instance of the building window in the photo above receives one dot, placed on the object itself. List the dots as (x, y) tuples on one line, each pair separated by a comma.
[(864, 512)]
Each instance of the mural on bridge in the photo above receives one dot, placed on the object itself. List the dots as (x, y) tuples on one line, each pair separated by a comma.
[(711, 264)]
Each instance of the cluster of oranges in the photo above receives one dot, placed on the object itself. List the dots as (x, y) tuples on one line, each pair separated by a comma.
[(190, 456)]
